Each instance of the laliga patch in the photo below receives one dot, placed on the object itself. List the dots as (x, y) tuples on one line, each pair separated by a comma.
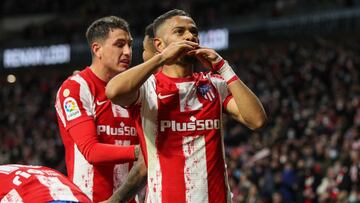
[(72, 110)]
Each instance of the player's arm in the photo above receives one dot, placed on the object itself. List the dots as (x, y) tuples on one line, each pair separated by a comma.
[(75, 120), (134, 182), (85, 137), (244, 106), (123, 88)]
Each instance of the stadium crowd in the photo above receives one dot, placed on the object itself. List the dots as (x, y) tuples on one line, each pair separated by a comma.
[(28, 128), (67, 20), (308, 152)]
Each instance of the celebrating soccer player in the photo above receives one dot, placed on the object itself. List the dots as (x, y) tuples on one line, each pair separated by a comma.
[(180, 113), (99, 136)]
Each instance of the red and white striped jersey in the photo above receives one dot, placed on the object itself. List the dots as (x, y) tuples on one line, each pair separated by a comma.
[(181, 138), (20, 183), (80, 98)]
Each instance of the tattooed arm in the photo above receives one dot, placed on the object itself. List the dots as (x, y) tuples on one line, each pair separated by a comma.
[(134, 182)]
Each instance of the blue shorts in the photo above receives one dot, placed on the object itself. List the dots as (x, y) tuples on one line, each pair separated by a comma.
[(59, 201)]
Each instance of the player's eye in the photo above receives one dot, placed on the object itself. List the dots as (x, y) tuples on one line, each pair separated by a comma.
[(179, 31), (120, 44), (194, 32)]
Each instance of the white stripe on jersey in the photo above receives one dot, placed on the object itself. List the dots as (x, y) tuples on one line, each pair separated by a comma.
[(84, 175), (120, 170), (119, 111), (195, 171), (149, 114), (59, 109), (154, 172), (228, 192), (223, 92), (57, 189), (12, 197), (184, 94), (220, 85), (86, 98)]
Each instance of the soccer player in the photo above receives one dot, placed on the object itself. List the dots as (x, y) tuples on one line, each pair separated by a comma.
[(148, 44), (20, 183), (137, 175), (99, 136), (181, 113)]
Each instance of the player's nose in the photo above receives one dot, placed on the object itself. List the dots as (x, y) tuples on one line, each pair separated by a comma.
[(127, 50), (189, 36)]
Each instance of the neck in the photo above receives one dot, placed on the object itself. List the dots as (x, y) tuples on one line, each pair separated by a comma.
[(177, 71), (101, 71)]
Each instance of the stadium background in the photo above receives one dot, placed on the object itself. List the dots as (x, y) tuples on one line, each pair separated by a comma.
[(300, 57)]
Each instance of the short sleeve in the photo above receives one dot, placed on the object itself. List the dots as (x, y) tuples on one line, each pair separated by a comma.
[(74, 102), (221, 86), (147, 88)]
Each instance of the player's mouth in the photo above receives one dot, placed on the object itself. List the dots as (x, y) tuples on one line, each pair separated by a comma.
[(125, 62)]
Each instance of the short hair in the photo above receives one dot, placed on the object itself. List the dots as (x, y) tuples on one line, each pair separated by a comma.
[(161, 19), (99, 29), (149, 30)]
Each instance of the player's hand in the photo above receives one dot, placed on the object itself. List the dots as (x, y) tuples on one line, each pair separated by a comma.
[(176, 50), (207, 57)]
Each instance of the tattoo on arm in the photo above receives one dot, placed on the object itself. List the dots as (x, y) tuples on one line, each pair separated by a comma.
[(134, 182)]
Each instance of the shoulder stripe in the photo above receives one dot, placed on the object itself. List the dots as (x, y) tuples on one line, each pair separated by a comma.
[(59, 109), (86, 98)]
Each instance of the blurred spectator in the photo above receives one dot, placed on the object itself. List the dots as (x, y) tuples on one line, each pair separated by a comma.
[(69, 18), (311, 92), (28, 128)]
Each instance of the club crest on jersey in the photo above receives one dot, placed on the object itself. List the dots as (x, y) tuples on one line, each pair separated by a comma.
[(207, 92), (71, 107)]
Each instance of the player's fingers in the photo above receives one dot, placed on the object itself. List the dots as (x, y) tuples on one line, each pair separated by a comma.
[(202, 51), (203, 61), (191, 44)]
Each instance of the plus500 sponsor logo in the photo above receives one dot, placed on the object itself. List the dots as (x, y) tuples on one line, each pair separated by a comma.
[(124, 130), (208, 124)]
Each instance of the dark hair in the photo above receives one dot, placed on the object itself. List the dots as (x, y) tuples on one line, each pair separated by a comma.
[(149, 30), (99, 29), (161, 19)]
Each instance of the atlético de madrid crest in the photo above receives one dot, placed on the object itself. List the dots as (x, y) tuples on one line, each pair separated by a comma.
[(206, 91)]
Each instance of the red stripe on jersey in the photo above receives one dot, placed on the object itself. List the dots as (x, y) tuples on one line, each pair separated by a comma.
[(169, 147), (216, 168)]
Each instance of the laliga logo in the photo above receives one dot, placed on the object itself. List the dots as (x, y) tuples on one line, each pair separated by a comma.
[(193, 125), (122, 130), (69, 105)]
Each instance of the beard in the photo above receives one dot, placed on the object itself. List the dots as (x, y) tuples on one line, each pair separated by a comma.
[(188, 59)]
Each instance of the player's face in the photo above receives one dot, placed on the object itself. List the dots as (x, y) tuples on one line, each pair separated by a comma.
[(149, 50), (180, 28), (117, 51)]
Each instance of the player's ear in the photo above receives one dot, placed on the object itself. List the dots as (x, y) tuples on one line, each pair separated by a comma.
[(96, 49), (159, 44)]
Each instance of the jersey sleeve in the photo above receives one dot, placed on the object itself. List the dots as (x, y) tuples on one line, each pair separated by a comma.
[(74, 103), (75, 108), (221, 86), (84, 135), (146, 89)]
